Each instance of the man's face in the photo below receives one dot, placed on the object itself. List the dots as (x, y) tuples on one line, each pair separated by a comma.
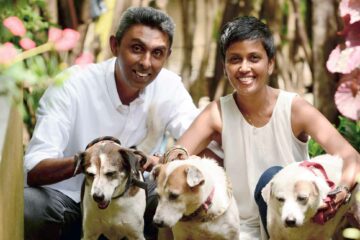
[(141, 54)]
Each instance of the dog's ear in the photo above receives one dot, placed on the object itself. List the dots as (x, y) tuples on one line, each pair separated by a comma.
[(194, 177), (141, 157), (155, 172), (266, 192), (130, 160), (81, 162)]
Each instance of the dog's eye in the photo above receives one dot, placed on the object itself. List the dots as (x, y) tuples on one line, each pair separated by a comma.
[(302, 198), (110, 174), (90, 175), (280, 199), (173, 196)]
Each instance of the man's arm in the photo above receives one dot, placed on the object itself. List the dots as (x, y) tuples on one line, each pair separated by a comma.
[(50, 171)]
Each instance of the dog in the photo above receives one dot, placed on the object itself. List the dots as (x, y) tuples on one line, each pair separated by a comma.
[(112, 200), (195, 200), (294, 196)]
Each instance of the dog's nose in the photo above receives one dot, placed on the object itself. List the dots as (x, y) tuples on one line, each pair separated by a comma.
[(290, 222), (98, 198), (159, 223)]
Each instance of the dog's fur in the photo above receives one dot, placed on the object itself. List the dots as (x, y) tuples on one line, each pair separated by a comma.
[(183, 186), (108, 206), (295, 194)]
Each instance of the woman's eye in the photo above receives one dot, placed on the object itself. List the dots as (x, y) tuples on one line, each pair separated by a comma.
[(233, 59), (254, 58)]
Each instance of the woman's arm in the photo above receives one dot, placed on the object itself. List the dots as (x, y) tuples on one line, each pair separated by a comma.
[(207, 124), (306, 119)]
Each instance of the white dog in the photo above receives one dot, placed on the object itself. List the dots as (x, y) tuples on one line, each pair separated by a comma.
[(295, 194), (112, 202), (195, 200)]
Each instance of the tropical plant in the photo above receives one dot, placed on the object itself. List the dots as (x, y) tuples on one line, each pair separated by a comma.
[(32, 53)]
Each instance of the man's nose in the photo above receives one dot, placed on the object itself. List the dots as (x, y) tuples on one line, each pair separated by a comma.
[(145, 60)]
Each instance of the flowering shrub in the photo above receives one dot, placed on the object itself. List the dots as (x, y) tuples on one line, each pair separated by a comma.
[(29, 62), (345, 59)]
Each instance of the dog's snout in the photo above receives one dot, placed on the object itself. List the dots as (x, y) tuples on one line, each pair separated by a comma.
[(290, 222), (159, 223), (98, 197)]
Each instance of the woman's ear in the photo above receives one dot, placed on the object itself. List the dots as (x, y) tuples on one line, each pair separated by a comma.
[(271, 66), (113, 45)]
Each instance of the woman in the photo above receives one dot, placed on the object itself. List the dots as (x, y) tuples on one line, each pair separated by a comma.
[(260, 126)]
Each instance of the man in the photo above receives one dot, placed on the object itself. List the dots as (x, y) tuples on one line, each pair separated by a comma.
[(119, 97)]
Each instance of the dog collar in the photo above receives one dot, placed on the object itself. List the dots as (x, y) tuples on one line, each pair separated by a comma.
[(311, 165), (203, 207), (132, 181)]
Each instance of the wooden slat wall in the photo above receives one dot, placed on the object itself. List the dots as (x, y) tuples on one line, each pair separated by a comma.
[(11, 174)]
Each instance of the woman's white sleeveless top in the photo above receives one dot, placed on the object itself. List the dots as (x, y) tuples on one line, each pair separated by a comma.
[(249, 151)]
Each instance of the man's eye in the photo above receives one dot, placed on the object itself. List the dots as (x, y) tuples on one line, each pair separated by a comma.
[(136, 48), (173, 196), (157, 53)]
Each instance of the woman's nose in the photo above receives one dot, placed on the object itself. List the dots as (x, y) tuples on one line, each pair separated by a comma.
[(244, 66)]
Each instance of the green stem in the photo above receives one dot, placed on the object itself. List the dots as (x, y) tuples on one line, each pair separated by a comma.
[(32, 52)]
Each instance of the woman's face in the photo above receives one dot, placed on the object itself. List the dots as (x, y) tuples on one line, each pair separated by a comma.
[(247, 66)]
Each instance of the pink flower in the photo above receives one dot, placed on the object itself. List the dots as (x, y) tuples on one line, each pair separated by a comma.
[(84, 58), (54, 34), (351, 8), (347, 96), (27, 43), (7, 53), (15, 26), (343, 61), (64, 40)]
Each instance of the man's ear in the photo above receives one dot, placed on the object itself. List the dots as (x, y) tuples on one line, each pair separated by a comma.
[(113, 45), (169, 52)]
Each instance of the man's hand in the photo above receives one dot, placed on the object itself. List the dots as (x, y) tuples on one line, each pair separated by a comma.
[(151, 162), (335, 199)]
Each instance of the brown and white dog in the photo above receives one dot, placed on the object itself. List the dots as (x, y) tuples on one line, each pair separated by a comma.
[(294, 196), (196, 200), (113, 204)]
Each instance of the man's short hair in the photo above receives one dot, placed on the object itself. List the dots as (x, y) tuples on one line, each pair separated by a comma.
[(147, 16), (246, 28)]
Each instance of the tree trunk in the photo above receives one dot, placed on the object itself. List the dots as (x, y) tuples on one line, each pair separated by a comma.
[(324, 40)]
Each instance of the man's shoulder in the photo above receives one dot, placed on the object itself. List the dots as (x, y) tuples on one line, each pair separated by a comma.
[(168, 76), (87, 74)]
